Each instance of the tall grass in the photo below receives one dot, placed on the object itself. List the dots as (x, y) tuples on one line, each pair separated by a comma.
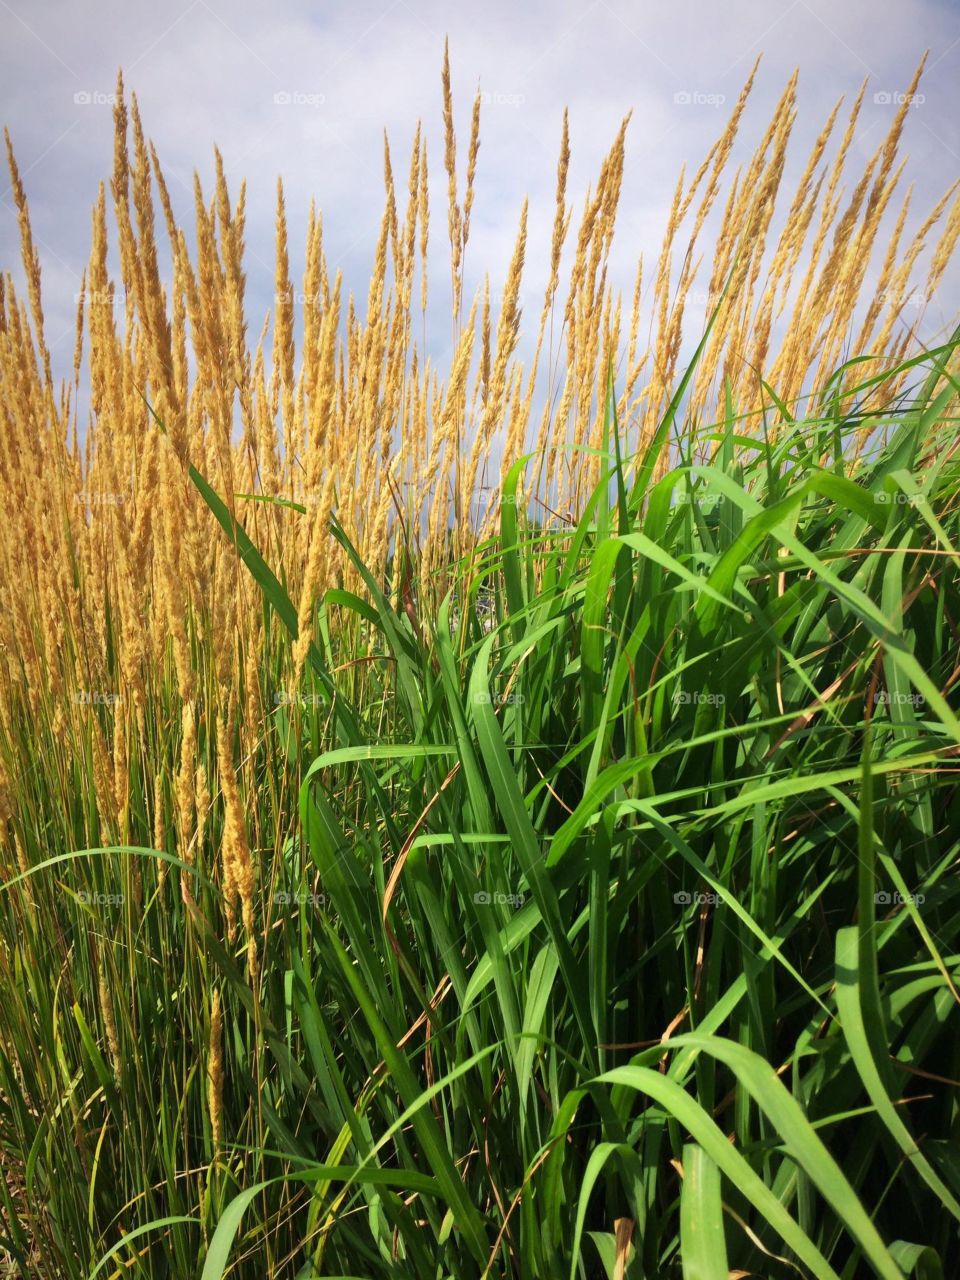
[(392, 888)]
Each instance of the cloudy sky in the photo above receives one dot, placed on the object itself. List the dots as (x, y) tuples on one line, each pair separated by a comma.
[(304, 91)]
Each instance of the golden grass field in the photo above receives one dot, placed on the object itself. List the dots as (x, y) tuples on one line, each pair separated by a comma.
[(151, 1038)]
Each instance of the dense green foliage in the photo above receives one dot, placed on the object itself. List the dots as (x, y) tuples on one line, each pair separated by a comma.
[(614, 929)]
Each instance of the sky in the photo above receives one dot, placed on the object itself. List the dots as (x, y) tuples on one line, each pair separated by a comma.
[(305, 91)]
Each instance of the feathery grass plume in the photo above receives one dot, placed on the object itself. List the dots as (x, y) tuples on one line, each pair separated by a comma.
[(454, 214), (561, 224), (185, 789), (898, 291), (409, 240), (789, 244), (202, 802), (561, 218), (792, 365), (6, 808), (472, 151), (109, 1020), (236, 860), (322, 410), (215, 1071), (314, 578), (390, 191), (231, 223), (508, 332), (31, 259), (423, 212), (160, 827)]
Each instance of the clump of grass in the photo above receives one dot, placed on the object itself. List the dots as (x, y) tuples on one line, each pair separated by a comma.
[(564, 891)]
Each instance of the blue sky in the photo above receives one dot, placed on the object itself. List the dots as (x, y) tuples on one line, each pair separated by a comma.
[(305, 91)]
